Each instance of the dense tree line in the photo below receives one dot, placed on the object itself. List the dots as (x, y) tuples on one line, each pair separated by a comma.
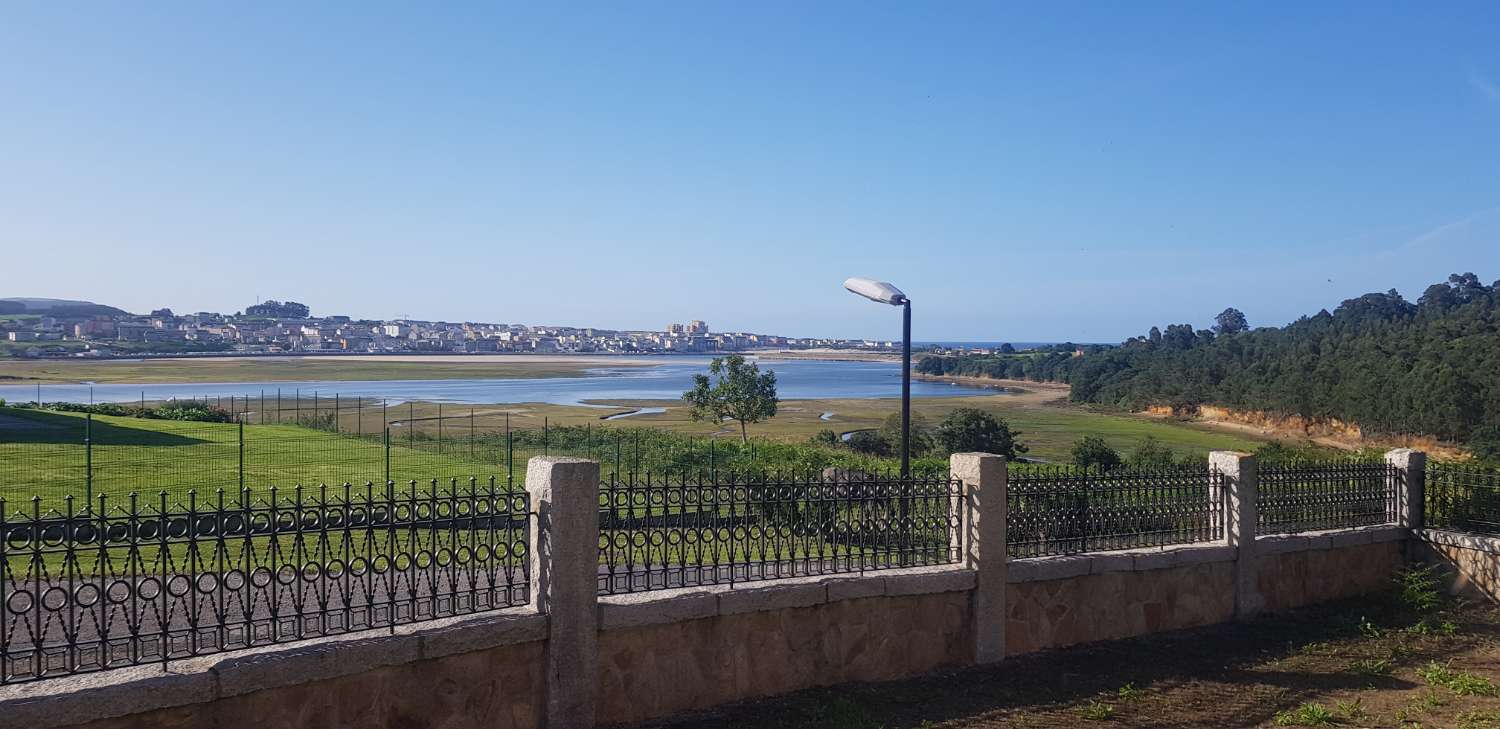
[(1389, 365)]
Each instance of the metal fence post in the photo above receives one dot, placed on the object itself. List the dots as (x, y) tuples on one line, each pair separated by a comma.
[(242, 456), (981, 546), (1410, 486), (88, 465), (1239, 475), (564, 559)]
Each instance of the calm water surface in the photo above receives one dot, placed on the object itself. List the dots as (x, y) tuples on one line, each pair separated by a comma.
[(796, 379)]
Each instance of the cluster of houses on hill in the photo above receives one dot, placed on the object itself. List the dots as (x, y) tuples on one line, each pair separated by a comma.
[(253, 331)]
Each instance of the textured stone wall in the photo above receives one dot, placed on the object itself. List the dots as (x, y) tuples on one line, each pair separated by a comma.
[(1293, 579), (1470, 562), (658, 670), (1055, 613), (498, 688)]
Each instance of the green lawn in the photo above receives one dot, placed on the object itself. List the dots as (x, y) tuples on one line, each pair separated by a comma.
[(43, 454)]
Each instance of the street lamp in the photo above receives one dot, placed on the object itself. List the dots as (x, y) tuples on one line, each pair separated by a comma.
[(884, 293)]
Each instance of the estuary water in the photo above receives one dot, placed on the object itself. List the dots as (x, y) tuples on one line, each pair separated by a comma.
[(795, 379)]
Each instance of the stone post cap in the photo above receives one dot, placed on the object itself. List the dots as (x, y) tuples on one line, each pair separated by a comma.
[(560, 460), (1404, 456), (977, 454)]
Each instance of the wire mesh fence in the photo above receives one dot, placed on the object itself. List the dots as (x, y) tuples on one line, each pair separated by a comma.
[(59, 450), (667, 530), (139, 580), (1061, 510), (1318, 495), (1463, 498)]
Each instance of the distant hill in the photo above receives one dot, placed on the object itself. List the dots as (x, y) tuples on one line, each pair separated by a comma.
[(56, 307)]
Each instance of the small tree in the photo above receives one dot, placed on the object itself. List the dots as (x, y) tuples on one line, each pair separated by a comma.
[(1092, 452), (739, 391), (971, 429), (870, 443), (921, 434)]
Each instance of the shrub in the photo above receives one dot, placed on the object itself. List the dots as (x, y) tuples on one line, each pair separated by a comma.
[(1151, 454), (971, 429), (825, 437), (1092, 452), (194, 411), (870, 443)]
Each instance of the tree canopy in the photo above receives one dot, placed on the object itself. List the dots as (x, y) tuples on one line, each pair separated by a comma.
[(1377, 360), (972, 430), (738, 391)]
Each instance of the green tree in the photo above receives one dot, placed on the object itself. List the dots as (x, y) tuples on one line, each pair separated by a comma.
[(1485, 443), (974, 430), (921, 434), (738, 391), (870, 443), (1231, 321), (1092, 452)]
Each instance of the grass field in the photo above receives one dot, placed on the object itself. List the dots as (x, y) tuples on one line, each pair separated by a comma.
[(1049, 426), (43, 453)]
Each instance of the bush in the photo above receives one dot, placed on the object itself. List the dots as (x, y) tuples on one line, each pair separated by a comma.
[(825, 437), (870, 443), (194, 411), (1151, 454), (1092, 452), (921, 434)]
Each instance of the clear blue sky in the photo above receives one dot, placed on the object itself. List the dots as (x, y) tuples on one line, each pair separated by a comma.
[(1040, 172)]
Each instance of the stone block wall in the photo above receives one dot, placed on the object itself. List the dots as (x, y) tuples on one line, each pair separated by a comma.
[(1319, 571), (653, 671), (1056, 613), (493, 689), (482, 672), (1470, 563)]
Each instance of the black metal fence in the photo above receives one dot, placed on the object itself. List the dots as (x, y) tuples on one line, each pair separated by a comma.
[(666, 530), (1062, 510), (1463, 497), (1318, 495), (139, 581)]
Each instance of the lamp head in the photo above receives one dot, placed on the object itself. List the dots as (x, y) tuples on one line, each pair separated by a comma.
[(878, 291)]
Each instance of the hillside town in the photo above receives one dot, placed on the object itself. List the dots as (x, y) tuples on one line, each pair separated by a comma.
[(80, 329)]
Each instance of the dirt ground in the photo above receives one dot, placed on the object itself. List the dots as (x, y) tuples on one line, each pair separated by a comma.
[(1373, 662)]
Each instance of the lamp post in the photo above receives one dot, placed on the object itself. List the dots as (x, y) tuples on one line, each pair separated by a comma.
[(884, 293)]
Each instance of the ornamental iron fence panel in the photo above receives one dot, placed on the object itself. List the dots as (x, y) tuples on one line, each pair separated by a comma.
[(1054, 510), (1462, 497), (664, 530), (150, 580), (1318, 495)]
